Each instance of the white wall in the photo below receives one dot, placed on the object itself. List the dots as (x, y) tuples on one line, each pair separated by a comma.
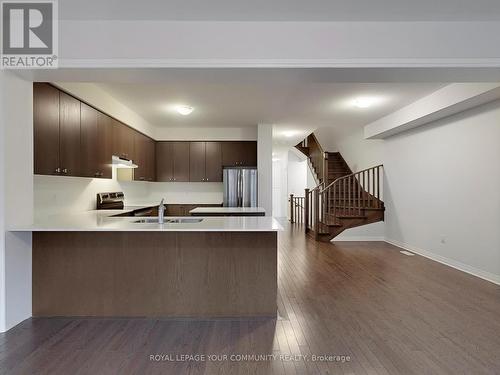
[(16, 202), (297, 175), (280, 177), (442, 190), (59, 194)]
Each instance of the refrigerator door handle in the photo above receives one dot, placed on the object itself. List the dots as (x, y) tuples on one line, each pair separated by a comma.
[(240, 188)]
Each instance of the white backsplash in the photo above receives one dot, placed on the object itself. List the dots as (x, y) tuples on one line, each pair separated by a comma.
[(59, 194)]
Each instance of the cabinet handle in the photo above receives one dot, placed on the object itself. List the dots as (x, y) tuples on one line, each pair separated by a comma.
[(58, 170)]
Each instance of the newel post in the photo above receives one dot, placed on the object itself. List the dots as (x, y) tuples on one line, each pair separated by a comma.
[(306, 209), (291, 209), (316, 213)]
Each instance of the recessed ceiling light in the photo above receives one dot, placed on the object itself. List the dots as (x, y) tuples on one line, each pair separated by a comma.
[(289, 133), (364, 102), (184, 109)]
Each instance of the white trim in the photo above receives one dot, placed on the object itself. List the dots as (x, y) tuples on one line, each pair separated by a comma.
[(281, 63), (488, 276), (358, 238)]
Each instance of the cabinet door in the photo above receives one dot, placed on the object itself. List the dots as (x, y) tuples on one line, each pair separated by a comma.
[(164, 161), (45, 128), (104, 144), (151, 160), (230, 154), (196, 161), (123, 140), (181, 161), (69, 134), (213, 162), (248, 153), (89, 154), (140, 158)]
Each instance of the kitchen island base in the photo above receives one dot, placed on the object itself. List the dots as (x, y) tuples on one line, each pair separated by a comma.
[(155, 274)]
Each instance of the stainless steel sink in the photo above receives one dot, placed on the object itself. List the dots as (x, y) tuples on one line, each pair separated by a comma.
[(154, 220)]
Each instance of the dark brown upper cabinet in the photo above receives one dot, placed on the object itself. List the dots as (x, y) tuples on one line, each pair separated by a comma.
[(144, 158), (172, 161), (95, 143), (123, 140), (164, 162), (69, 134), (205, 160), (56, 123), (89, 137), (181, 161), (46, 129), (197, 161), (104, 144), (213, 161), (239, 154)]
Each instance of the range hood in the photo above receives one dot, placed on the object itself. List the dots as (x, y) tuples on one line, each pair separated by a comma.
[(122, 163)]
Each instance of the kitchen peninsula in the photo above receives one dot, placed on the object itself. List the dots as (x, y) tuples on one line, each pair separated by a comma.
[(98, 264)]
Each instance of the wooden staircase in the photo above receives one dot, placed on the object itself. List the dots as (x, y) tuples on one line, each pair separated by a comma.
[(342, 199)]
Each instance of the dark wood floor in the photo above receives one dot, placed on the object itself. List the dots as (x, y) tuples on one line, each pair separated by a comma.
[(390, 313)]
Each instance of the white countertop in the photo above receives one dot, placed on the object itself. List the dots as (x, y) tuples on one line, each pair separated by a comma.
[(103, 220), (227, 210)]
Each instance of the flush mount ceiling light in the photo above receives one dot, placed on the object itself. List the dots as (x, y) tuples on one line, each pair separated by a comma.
[(184, 109), (364, 102)]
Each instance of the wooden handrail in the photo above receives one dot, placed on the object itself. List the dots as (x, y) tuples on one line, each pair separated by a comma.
[(350, 175), (317, 157), (347, 196)]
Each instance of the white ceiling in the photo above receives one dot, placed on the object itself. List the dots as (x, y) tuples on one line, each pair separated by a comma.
[(282, 10), (296, 105)]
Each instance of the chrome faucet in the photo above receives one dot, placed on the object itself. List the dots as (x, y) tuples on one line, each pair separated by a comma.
[(161, 212)]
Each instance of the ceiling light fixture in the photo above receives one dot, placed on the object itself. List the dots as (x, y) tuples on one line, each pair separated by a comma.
[(289, 133), (364, 102), (184, 110)]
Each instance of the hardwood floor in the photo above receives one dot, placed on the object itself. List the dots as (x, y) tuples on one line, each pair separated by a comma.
[(390, 313)]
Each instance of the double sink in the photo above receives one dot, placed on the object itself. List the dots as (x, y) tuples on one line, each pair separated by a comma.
[(154, 220)]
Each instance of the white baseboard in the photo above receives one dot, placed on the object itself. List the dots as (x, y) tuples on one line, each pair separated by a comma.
[(357, 238), (488, 276)]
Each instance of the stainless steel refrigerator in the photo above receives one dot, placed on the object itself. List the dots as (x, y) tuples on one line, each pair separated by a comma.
[(240, 187)]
